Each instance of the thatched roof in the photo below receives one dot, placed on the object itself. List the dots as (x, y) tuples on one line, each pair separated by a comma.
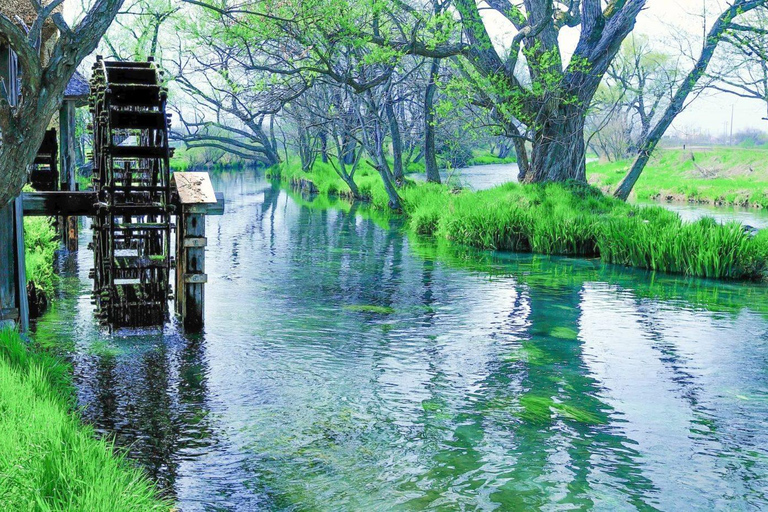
[(23, 9), (77, 90)]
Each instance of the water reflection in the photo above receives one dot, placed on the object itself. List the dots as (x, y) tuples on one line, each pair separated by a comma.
[(346, 366)]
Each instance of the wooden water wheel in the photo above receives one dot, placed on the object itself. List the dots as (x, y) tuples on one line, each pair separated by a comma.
[(132, 226), (44, 174)]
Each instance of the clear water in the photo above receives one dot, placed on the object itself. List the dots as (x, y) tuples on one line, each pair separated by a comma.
[(478, 177), (345, 366)]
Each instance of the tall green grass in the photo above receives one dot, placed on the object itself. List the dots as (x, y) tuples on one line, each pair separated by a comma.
[(49, 460), (566, 219)]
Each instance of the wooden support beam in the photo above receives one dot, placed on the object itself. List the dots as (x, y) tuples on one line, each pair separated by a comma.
[(190, 268), (67, 171), (22, 301), (64, 203), (84, 204), (8, 307), (216, 208)]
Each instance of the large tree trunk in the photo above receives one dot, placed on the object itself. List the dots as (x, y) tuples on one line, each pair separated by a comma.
[(523, 165), (430, 156), (558, 148), (42, 88)]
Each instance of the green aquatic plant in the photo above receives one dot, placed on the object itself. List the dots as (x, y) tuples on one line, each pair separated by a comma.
[(564, 333), (530, 354), (369, 308), (541, 409), (104, 349)]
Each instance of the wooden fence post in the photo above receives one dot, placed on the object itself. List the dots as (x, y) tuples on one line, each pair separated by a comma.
[(67, 170)]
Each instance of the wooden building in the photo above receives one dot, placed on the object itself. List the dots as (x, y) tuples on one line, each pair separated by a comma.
[(13, 296)]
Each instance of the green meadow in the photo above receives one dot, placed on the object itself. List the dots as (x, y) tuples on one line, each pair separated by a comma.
[(720, 176)]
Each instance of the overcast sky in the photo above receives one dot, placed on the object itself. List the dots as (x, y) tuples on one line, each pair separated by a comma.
[(711, 111)]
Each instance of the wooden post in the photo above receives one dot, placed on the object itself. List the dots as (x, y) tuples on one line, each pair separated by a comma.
[(67, 171), (9, 311), (13, 280), (190, 268), (22, 301)]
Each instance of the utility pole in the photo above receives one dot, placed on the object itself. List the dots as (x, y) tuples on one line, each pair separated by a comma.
[(732, 109)]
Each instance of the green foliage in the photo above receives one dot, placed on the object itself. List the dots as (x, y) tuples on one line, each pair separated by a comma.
[(365, 308), (48, 459), (40, 244)]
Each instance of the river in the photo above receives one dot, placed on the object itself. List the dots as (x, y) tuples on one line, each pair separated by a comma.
[(346, 366)]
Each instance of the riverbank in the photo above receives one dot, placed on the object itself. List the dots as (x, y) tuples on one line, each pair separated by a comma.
[(560, 219), (716, 176), (49, 460)]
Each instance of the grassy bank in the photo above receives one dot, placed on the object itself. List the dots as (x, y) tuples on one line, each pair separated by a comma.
[(48, 459), (563, 219), (719, 176)]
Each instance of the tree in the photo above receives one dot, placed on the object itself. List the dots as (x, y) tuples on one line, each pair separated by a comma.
[(42, 84), (528, 86), (743, 69), (135, 34), (638, 86), (723, 23), (233, 102)]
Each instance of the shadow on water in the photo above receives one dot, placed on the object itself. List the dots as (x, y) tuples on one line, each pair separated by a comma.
[(347, 366)]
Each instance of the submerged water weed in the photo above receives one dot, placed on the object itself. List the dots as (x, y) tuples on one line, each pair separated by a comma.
[(564, 333), (367, 308), (104, 350), (543, 409)]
